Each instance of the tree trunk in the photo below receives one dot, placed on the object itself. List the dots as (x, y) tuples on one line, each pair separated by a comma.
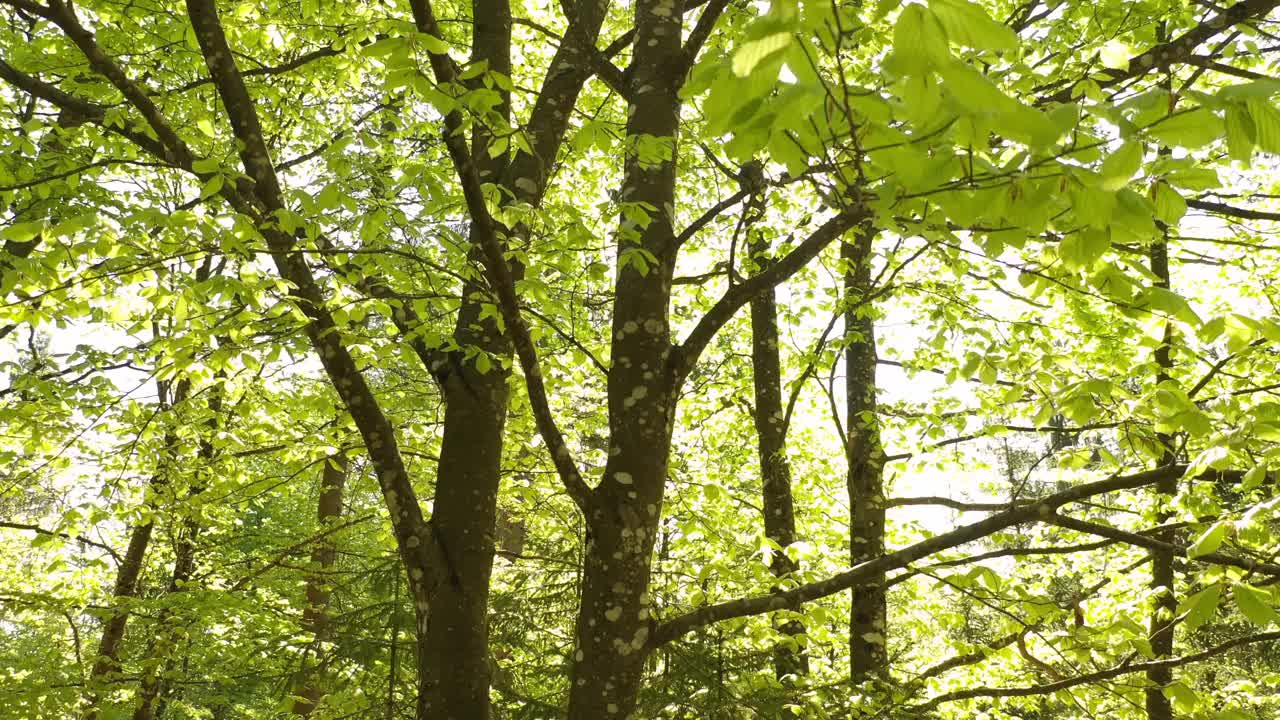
[(453, 647), (789, 658), (1162, 575), (614, 619), (161, 659), (315, 617), (453, 636), (106, 662), (865, 455)]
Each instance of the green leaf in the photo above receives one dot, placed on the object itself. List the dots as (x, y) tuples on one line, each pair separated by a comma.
[(1082, 249), (1194, 178), (1254, 477), (1169, 203), (919, 42), (432, 44), (1092, 206), (1266, 123), (1183, 697), (973, 90), (1120, 166), (22, 231), (752, 53), (969, 25), (1115, 55), (1254, 604), (1240, 132), (1209, 541), (1172, 304), (1191, 129), (1200, 607)]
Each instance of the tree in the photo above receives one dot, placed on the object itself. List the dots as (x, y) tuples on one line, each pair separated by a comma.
[(258, 185)]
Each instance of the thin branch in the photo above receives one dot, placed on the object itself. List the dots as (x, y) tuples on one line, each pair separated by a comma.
[(687, 353), (1232, 211), (53, 533), (1143, 541), (945, 502), (1177, 50), (1124, 668), (711, 214), (1041, 510)]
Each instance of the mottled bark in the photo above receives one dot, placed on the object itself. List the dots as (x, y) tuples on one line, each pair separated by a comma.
[(309, 687), (865, 455), (614, 619), (1162, 560), (452, 646), (789, 659)]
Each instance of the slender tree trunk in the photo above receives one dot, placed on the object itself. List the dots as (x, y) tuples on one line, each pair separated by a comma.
[(1162, 571), (865, 455), (106, 664), (453, 631), (614, 619), (315, 617), (789, 659), (161, 659)]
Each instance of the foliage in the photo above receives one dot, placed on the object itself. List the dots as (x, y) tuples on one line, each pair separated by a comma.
[(380, 230)]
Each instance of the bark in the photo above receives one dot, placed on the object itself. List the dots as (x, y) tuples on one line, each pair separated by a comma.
[(315, 617), (453, 650), (106, 664), (1032, 511), (1162, 572), (789, 658), (452, 647), (169, 632), (614, 618), (865, 455)]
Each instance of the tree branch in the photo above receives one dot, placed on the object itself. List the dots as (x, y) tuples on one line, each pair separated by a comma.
[(53, 533), (1232, 211), (1143, 541), (416, 543), (499, 273), (1178, 50), (1041, 510), (62, 15), (1125, 668), (686, 354)]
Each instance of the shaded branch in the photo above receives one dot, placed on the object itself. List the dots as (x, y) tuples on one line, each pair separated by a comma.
[(686, 355), (1232, 211), (1178, 50), (1124, 668), (1143, 541), (53, 533), (1041, 510)]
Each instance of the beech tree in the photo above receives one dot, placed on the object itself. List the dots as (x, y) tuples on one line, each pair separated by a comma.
[(679, 309)]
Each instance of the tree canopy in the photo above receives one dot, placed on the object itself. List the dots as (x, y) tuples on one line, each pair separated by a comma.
[(650, 359)]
